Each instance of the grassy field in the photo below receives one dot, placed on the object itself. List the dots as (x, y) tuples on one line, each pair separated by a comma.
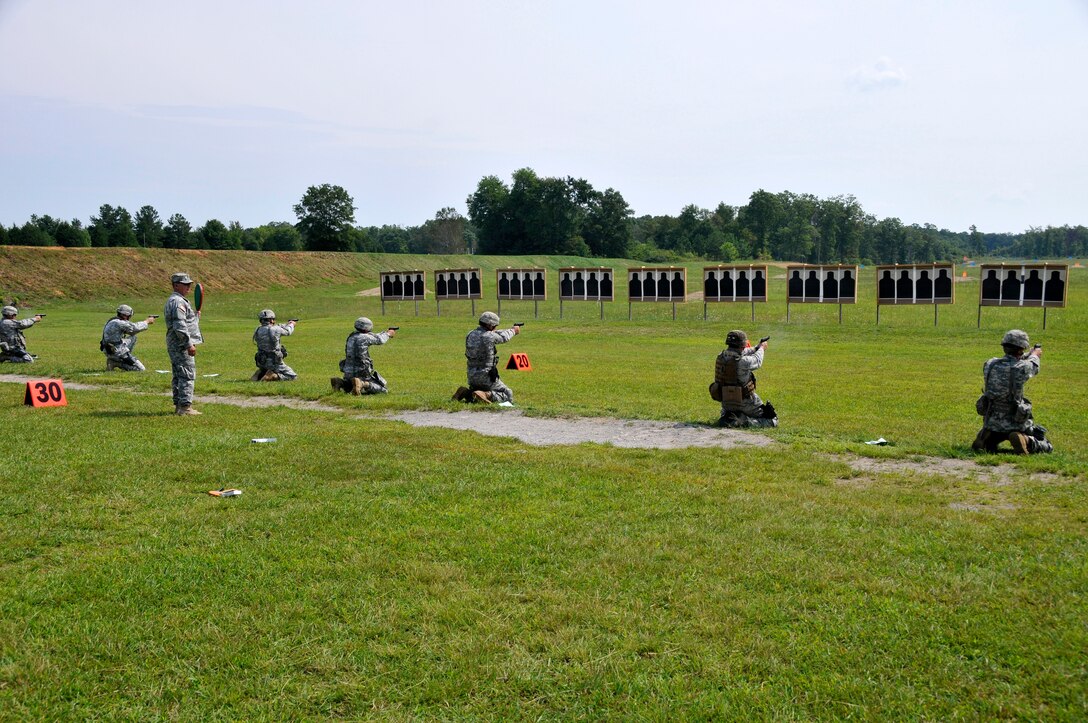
[(371, 569)]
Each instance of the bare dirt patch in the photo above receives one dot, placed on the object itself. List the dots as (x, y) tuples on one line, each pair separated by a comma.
[(632, 433), (998, 475), (376, 291)]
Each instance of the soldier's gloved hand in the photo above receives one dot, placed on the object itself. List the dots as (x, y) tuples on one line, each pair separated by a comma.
[(763, 345), (150, 320), (37, 318), (391, 333), (191, 351), (1037, 351)]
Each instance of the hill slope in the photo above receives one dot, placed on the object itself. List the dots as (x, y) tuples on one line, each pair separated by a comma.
[(38, 274)]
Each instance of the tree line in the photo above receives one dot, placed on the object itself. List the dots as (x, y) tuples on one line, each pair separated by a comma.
[(567, 216)]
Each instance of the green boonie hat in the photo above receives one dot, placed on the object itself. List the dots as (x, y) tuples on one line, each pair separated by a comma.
[(180, 278), (1016, 338), (736, 338)]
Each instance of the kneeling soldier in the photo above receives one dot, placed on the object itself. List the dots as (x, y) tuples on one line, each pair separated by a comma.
[(12, 341), (270, 352), (735, 384), (360, 377), (119, 339), (484, 384), (1006, 412)]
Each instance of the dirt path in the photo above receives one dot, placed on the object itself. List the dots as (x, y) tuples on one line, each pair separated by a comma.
[(634, 433), (629, 433)]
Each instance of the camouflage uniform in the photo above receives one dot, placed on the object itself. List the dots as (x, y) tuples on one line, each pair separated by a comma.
[(750, 411), (12, 341), (270, 352), (118, 341), (357, 364), (483, 362), (182, 331), (1007, 413)]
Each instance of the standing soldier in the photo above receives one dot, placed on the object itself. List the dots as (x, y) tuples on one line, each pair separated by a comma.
[(360, 377), (119, 339), (484, 384), (270, 352), (182, 338), (735, 384), (1006, 412), (12, 341)]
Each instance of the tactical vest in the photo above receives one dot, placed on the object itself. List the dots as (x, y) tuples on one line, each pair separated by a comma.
[(725, 374)]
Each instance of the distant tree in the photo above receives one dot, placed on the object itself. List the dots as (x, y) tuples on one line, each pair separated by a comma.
[(3, 235), (282, 236), (72, 234), (177, 233), (446, 232), (215, 235), (112, 227), (488, 210), (29, 234), (326, 215), (148, 227), (606, 228), (235, 235)]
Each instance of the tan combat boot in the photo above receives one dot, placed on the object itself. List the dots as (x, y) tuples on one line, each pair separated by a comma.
[(481, 396), (357, 386), (186, 410), (270, 377), (1020, 443)]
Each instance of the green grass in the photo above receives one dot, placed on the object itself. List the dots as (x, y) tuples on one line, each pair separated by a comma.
[(371, 569)]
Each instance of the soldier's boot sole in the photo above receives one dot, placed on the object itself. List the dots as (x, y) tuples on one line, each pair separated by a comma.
[(335, 383), (110, 365), (270, 377), (357, 387), (1020, 444), (256, 376), (481, 396), (460, 394)]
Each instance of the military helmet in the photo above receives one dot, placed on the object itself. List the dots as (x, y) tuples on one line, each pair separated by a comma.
[(489, 318), (10, 311), (364, 324), (736, 338), (1016, 338), (124, 310), (266, 315)]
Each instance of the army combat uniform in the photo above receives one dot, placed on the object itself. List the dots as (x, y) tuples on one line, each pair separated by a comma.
[(182, 331), (1006, 412), (483, 362), (736, 385), (118, 341), (270, 352), (12, 341), (357, 363)]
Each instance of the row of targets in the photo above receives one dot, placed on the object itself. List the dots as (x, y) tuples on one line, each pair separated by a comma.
[(915, 284), (585, 283), (735, 283), (526, 284), (666, 283), (1023, 285), (816, 284)]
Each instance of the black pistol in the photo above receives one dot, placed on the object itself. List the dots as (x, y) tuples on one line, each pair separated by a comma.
[(394, 328), (520, 323)]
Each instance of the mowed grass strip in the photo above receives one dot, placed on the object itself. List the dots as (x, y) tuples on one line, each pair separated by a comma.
[(835, 385), (373, 569)]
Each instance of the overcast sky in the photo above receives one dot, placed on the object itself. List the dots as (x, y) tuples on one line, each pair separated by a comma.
[(954, 112)]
